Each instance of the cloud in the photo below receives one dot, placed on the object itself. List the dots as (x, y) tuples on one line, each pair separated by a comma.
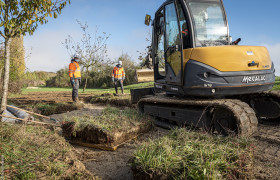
[(274, 51)]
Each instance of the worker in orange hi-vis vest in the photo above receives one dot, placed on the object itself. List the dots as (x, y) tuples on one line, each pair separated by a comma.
[(118, 75), (75, 77)]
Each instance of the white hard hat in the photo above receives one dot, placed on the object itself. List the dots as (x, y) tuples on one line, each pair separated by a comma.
[(120, 63)]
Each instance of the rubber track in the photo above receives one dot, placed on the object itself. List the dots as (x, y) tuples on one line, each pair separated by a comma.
[(275, 95), (245, 116)]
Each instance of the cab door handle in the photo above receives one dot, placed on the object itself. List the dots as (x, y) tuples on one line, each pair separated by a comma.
[(175, 48)]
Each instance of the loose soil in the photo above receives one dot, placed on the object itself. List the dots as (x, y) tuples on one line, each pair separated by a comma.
[(267, 153), (48, 98), (115, 165)]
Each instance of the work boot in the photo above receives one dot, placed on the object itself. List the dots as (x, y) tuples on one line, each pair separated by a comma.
[(122, 91)]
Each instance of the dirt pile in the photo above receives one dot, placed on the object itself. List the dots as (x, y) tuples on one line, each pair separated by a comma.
[(112, 127), (57, 108), (121, 100), (96, 135)]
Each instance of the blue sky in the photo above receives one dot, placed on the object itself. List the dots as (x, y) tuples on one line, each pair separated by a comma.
[(256, 22)]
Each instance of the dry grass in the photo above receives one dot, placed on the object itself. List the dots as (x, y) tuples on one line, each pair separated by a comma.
[(122, 100), (111, 119), (192, 155), (56, 108), (32, 152)]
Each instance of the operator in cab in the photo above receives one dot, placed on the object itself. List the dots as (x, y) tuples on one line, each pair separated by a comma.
[(75, 77)]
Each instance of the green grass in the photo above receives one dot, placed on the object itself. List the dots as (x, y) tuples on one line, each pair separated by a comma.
[(56, 108), (95, 90), (277, 84), (111, 119), (192, 155), (32, 152), (124, 100)]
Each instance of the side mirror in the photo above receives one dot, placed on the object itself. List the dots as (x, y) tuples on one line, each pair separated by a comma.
[(148, 20)]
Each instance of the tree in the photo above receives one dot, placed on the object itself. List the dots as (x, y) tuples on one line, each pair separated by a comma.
[(17, 66), (145, 56), (19, 17), (92, 52)]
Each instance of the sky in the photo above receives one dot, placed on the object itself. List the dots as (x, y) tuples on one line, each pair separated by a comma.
[(256, 22)]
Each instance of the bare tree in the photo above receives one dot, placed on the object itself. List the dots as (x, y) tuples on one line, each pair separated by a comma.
[(145, 56), (91, 49)]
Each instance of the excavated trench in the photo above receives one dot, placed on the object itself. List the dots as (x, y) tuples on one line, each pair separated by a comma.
[(97, 136)]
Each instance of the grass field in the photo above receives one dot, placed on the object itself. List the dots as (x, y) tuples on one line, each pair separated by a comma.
[(181, 155), (111, 90), (96, 90)]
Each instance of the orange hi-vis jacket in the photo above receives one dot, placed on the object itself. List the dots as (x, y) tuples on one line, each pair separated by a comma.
[(118, 73), (74, 70)]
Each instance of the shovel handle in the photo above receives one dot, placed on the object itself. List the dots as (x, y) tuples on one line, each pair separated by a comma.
[(36, 122), (33, 113)]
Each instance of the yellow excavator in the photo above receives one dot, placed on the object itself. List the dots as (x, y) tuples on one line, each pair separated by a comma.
[(201, 77)]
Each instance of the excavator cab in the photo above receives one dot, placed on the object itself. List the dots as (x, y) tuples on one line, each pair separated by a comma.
[(181, 25), (193, 54)]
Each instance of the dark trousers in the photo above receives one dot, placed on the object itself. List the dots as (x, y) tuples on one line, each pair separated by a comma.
[(116, 85), (75, 90)]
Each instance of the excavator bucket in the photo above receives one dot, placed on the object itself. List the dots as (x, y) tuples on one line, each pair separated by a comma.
[(144, 75)]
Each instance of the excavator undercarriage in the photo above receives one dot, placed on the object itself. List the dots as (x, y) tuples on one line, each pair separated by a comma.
[(236, 115)]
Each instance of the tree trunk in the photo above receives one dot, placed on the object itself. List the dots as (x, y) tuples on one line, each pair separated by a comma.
[(1, 84), (7, 73), (58, 79), (85, 86)]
